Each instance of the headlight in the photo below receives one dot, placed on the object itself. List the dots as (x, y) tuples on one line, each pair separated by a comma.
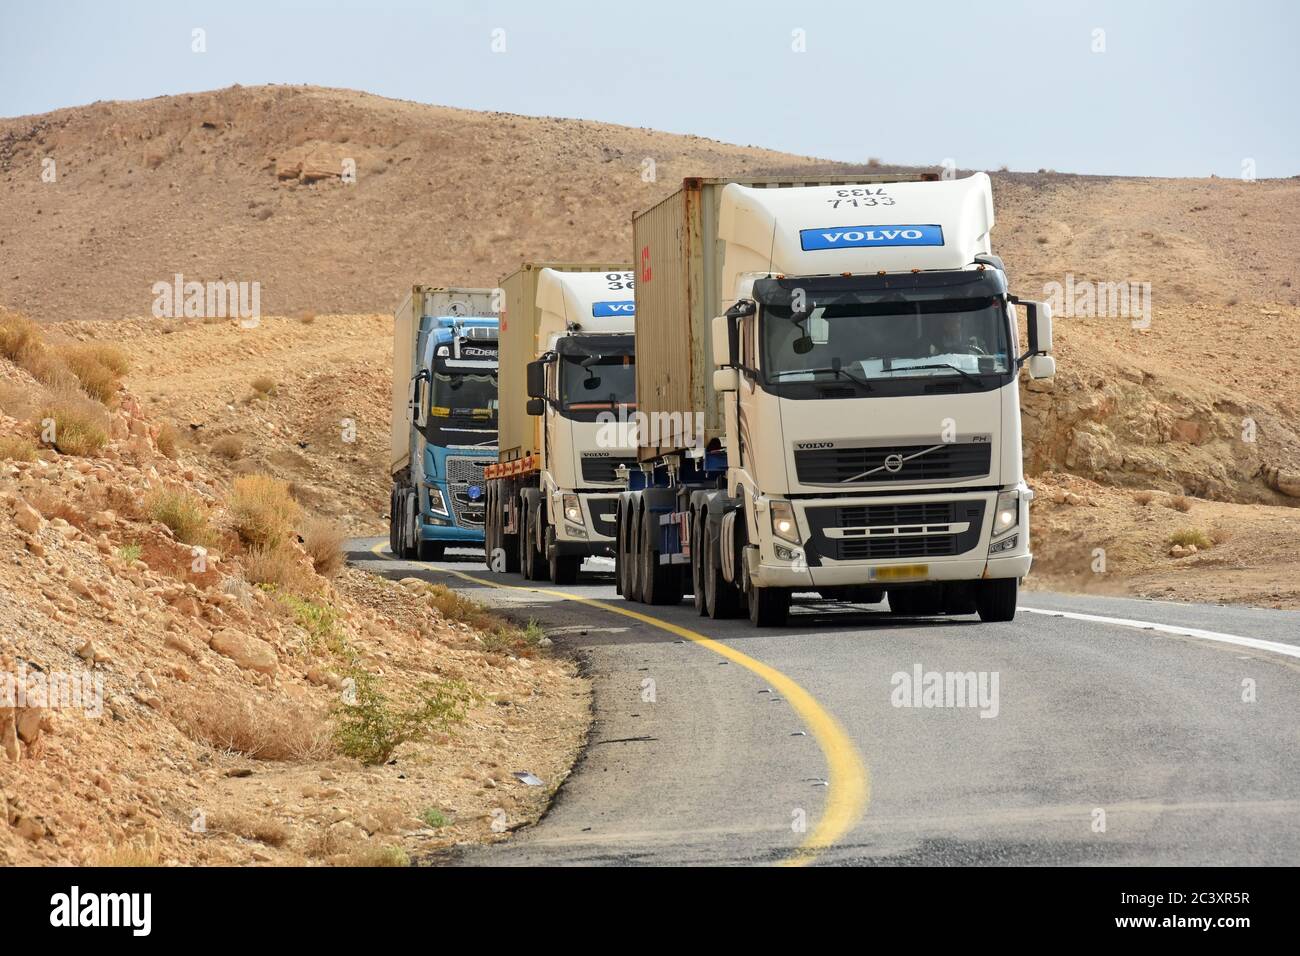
[(437, 504), (1008, 512), (572, 510), (783, 524)]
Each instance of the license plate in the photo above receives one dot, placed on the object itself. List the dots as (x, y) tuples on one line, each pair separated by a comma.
[(899, 572)]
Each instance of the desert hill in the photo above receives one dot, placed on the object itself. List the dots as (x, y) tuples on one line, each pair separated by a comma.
[(1197, 409)]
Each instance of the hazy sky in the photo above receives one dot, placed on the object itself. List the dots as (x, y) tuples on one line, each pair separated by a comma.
[(1182, 88)]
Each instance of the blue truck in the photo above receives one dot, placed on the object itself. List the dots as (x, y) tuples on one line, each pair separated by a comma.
[(444, 419)]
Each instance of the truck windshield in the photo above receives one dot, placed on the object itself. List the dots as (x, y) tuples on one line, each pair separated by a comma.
[(597, 381), (464, 395), (885, 340)]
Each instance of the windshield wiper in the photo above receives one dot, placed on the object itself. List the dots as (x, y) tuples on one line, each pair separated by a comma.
[(835, 368), (960, 371)]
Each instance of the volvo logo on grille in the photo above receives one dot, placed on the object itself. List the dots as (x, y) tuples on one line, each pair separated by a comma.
[(894, 464)]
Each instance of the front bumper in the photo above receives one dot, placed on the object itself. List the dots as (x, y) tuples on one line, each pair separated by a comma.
[(958, 522)]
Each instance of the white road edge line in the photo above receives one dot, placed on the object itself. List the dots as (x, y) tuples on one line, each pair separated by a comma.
[(1277, 647)]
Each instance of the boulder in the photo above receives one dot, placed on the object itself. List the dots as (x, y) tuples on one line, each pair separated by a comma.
[(250, 653)]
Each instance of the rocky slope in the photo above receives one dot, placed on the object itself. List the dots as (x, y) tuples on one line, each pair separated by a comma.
[(175, 707)]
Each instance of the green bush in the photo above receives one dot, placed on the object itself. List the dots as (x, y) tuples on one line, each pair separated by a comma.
[(369, 728)]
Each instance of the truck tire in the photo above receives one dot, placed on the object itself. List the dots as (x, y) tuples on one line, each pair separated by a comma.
[(564, 568), (721, 596), (769, 607), (534, 559), (660, 583), (995, 599), (433, 550), (408, 548), (394, 521), (630, 571), (697, 564)]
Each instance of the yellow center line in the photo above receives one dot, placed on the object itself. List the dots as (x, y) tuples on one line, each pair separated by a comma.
[(849, 789)]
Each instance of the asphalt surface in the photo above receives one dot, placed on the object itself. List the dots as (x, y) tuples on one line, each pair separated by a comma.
[(1104, 743)]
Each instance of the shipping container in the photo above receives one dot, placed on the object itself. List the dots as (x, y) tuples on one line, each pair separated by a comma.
[(518, 432), (423, 300), (678, 260)]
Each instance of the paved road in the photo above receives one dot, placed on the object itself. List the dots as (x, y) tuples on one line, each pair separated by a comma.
[(1105, 743)]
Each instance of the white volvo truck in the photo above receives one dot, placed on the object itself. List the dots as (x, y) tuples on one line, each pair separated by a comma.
[(567, 384), (852, 352)]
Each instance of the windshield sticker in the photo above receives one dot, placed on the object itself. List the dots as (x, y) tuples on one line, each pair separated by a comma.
[(605, 309), (856, 237)]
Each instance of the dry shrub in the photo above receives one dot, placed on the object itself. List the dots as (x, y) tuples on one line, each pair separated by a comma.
[(80, 425), (263, 511), (264, 385), (323, 541), (370, 855), (1188, 537), (17, 448), (307, 318), (281, 566), (1180, 503), (19, 336), (1143, 497), (229, 447), (263, 730), (184, 513), (168, 437), (144, 852), (98, 366), (249, 826)]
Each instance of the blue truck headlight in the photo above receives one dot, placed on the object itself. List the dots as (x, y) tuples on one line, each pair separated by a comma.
[(437, 504), (475, 492)]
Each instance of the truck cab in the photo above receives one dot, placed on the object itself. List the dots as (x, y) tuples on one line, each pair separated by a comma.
[(878, 348), (451, 431), (585, 385)]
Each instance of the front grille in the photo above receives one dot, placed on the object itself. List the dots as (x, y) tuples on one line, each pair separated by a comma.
[(466, 512), (464, 470), (866, 516), (602, 470), (913, 530), (828, 466)]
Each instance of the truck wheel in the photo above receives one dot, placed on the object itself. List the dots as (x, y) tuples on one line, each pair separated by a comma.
[(995, 599), (433, 550), (697, 564), (722, 597), (408, 548), (660, 583), (394, 521), (631, 570), (564, 568), (769, 607), (535, 567)]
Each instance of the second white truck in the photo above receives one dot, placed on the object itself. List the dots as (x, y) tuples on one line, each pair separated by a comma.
[(567, 388)]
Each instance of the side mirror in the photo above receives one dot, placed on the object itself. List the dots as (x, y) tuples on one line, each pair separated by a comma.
[(1041, 366), (536, 380), (726, 380), (417, 400), (1038, 321), (726, 345), (536, 406)]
